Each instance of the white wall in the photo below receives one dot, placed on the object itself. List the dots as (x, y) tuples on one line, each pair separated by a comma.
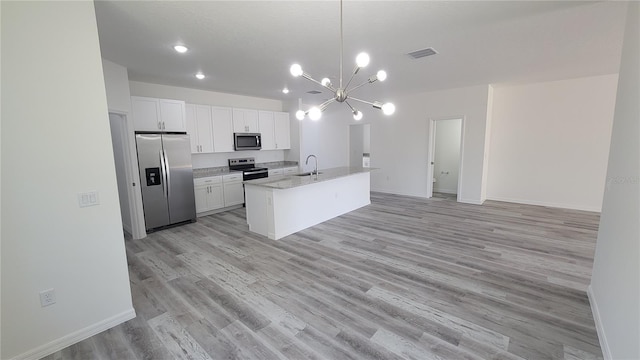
[(0, 190), (399, 143), (550, 142), (116, 83), (195, 96), (447, 155), (327, 138), (54, 101), (615, 283)]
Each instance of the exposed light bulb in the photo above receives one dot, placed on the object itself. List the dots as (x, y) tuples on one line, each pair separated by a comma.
[(357, 115), (388, 108), (180, 48), (315, 113), (296, 70), (285, 90), (200, 76), (300, 115), (325, 82), (362, 60), (381, 75)]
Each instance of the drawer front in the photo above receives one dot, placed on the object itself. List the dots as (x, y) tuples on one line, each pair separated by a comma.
[(275, 172), (232, 178), (291, 170), (208, 180)]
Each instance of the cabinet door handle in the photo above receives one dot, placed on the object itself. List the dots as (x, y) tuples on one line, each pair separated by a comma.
[(159, 125)]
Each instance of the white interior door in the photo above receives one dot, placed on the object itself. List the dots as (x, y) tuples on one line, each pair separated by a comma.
[(431, 156), (127, 174)]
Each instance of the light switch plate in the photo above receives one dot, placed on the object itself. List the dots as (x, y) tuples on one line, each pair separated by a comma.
[(90, 198)]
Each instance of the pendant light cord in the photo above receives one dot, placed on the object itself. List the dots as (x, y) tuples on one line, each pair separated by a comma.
[(341, 44)]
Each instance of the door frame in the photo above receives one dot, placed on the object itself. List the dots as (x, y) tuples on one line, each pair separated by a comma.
[(132, 175), (431, 149)]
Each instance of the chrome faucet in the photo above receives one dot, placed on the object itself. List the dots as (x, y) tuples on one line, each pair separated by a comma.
[(307, 163)]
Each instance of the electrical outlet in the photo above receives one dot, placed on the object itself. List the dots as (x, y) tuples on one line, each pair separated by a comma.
[(47, 297)]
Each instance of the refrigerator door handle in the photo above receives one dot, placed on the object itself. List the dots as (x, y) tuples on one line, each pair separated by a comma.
[(164, 172), (167, 173)]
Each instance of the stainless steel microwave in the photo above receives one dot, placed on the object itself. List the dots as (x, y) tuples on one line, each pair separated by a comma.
[(247, 141)]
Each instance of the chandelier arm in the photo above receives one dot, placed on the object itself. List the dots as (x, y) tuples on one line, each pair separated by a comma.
[(351, 107), (308, 77), (361, 85), (355, 71), (363, 101), (326, 103)]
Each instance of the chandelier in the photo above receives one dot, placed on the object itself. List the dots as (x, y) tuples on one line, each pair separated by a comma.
[(342, 93)]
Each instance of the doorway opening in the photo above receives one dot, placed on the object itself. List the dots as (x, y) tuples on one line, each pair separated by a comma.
[(445, 158), (360, 145)]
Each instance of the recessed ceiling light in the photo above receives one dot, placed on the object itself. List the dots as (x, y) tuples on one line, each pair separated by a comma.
[(180, 48), (200, 76), (285, 90)]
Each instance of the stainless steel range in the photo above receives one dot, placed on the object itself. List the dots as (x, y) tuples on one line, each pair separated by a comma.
[(248, 168)]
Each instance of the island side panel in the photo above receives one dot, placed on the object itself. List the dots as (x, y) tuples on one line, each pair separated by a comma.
[(301, 207), (259, 209)]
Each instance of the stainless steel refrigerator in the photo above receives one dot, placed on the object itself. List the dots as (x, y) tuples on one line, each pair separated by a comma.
[(166, 177)]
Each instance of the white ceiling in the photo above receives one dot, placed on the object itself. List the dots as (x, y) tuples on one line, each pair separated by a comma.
[(247, 47)]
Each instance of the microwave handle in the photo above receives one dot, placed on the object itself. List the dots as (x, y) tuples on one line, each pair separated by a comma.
[(258, 139)]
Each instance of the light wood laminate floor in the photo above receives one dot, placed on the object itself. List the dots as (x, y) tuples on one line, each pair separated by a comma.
[(403, 278)]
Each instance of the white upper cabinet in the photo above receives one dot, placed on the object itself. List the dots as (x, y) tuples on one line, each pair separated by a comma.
[(199, 127), (192, 126), (266, 125), (151, 114), (245, 121), (274, 127), (222, 129), (172, 115), (146, 114), (282, 130)]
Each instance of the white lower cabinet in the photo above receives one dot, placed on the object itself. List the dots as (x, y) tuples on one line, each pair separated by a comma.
[(274, 172), (233, 189), (209, 194)]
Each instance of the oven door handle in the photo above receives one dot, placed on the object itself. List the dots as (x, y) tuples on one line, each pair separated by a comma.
[(255, 172)]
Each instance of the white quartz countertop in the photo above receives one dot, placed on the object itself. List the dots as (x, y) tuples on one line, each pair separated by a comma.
[(292, 181)]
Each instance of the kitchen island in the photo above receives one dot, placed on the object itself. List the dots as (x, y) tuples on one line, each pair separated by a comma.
[(282, 205)]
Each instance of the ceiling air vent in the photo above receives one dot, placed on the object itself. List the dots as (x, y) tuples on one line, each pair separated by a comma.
[(422, 53), (314, 92)]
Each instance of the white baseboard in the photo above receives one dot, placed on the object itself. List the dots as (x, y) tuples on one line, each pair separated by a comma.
[(77, 336), (547, 204), (471, 201), (604, 345)]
